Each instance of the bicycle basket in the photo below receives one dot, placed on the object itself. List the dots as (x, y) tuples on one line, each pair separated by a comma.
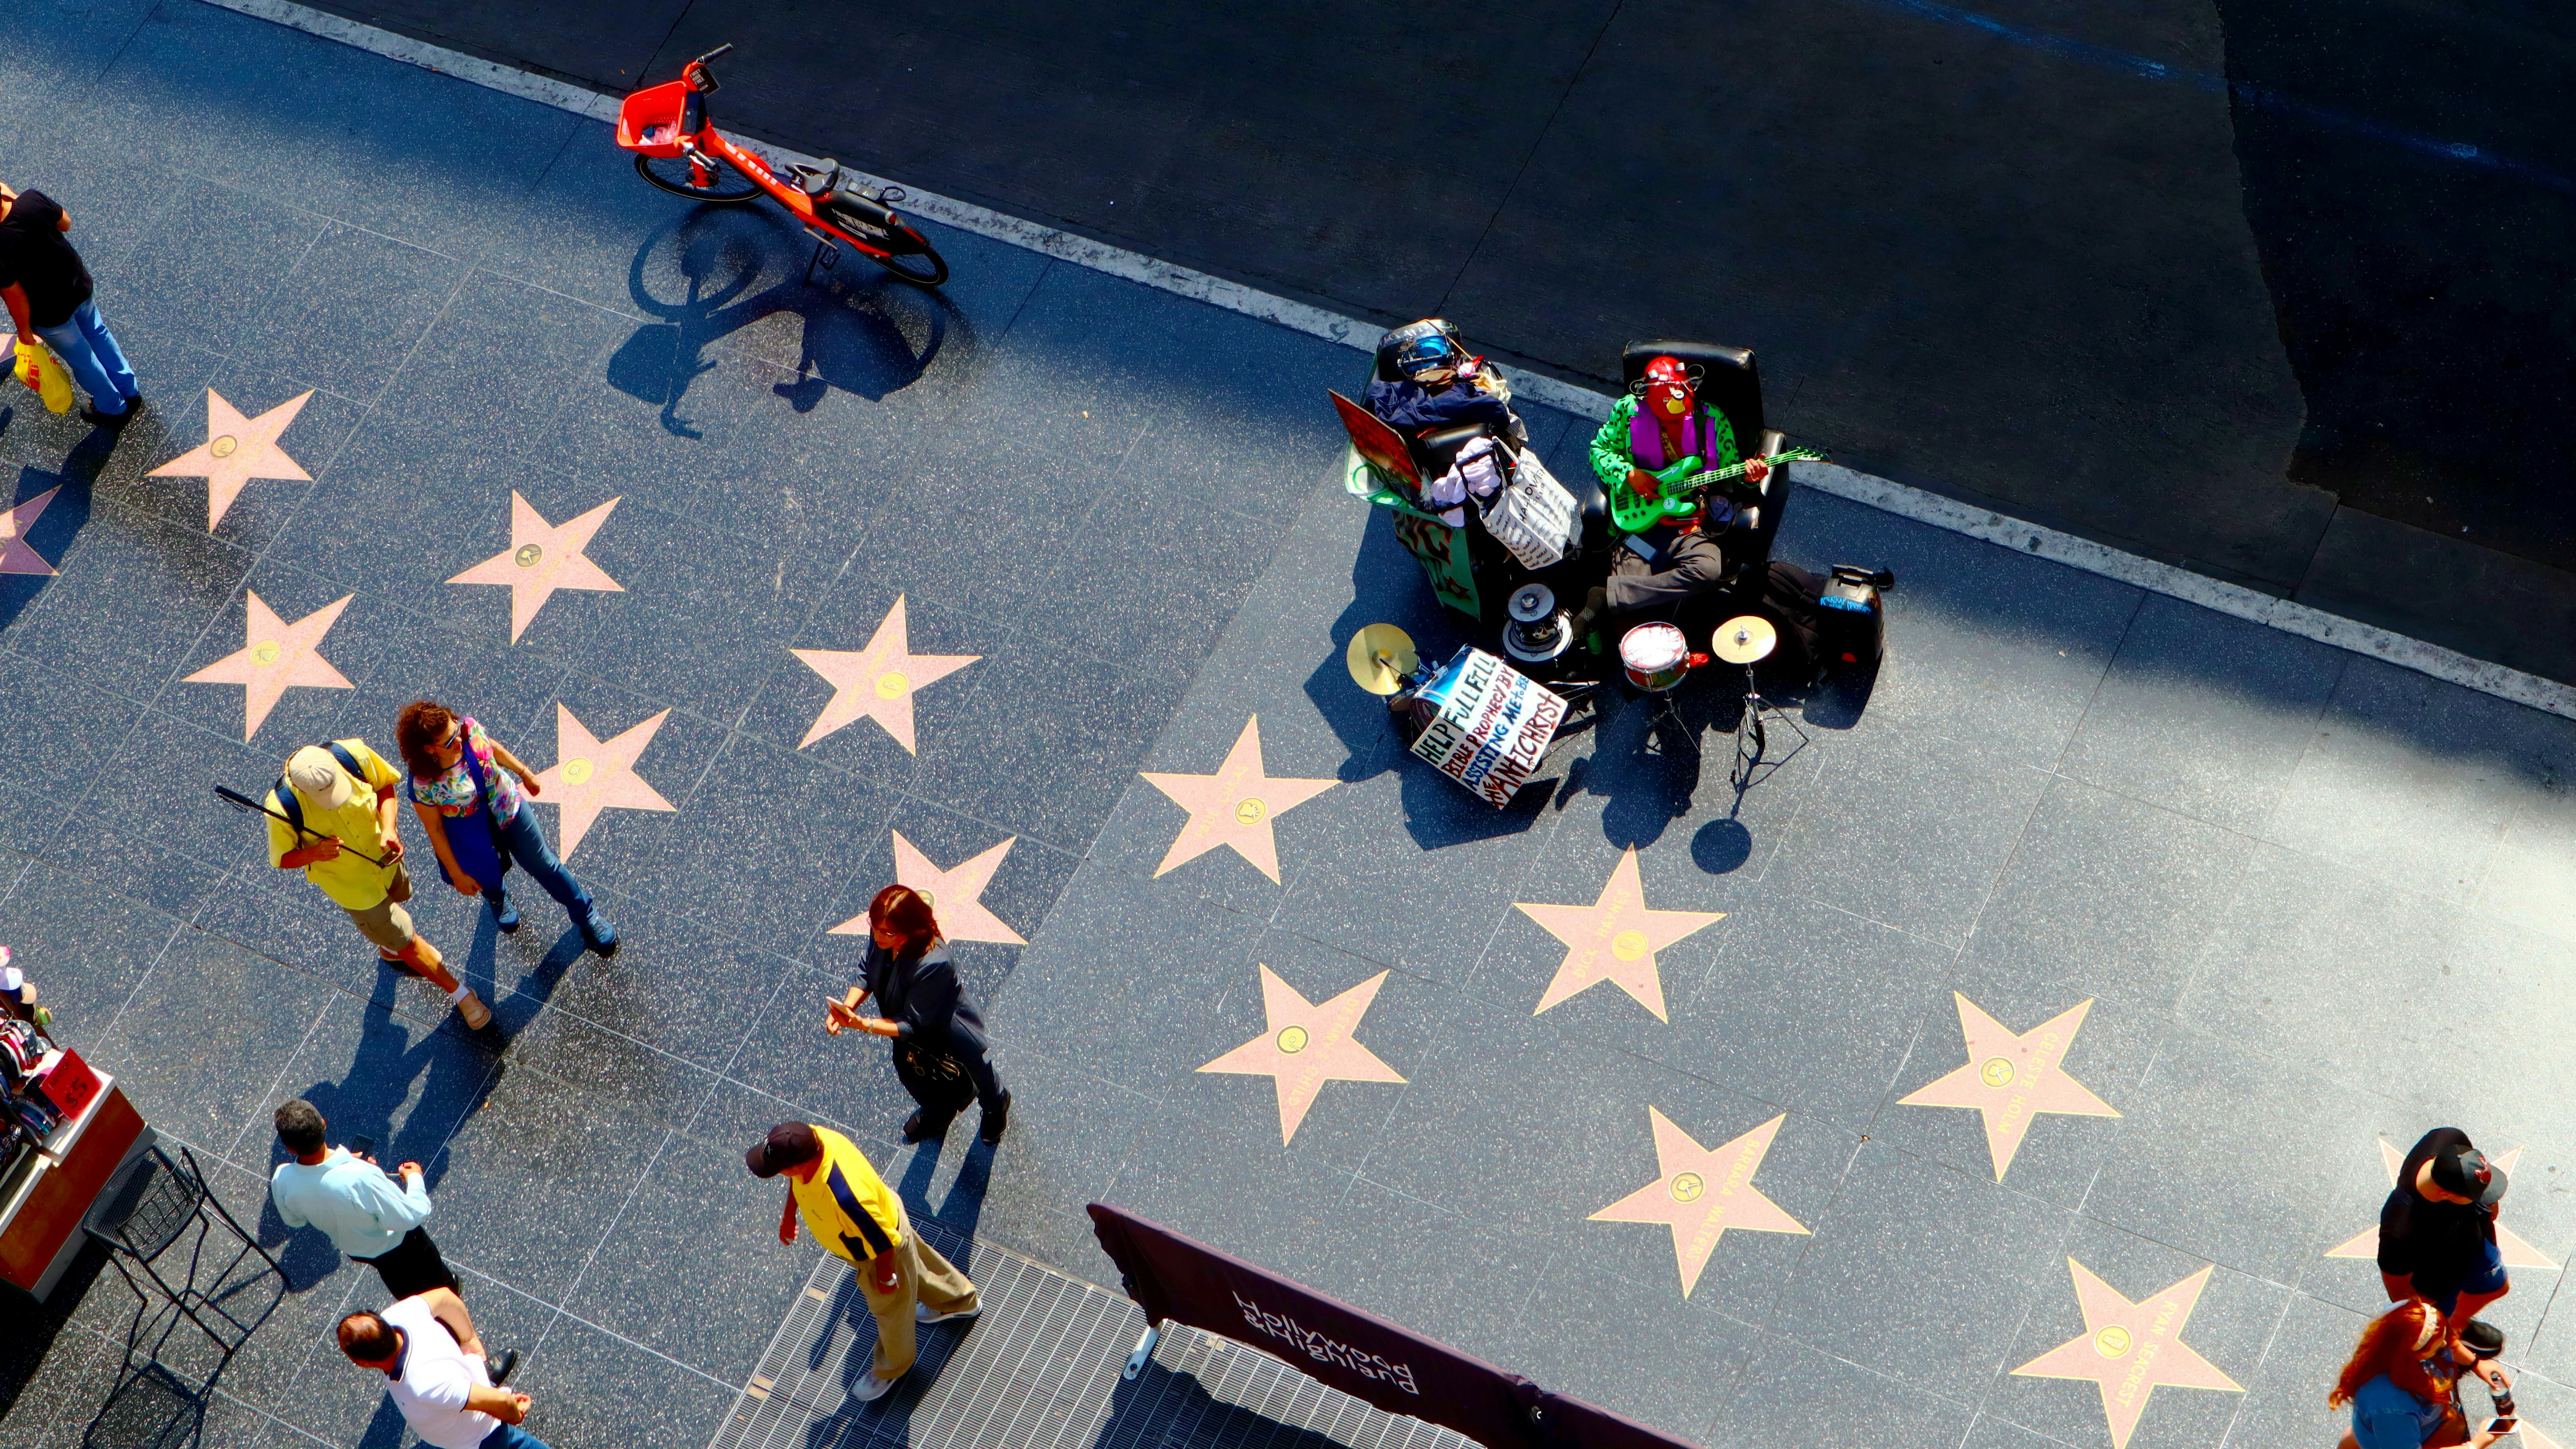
[(649, 122)]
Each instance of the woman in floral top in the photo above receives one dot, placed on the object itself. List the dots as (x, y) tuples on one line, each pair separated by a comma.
[(471, 795)]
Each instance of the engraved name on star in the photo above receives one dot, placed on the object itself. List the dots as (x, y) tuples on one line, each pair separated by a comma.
[(279, 656), (236, 450), (955, 896), (542, 557), (2013, 1078), (1306, 1045), (2516, 1252), (877, 682), (590, 774), (2129, 1350), (1700, 1192), (1234, 806), (1614, 939), (17, 556)]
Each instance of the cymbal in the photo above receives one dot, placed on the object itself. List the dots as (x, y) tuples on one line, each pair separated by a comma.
[(1380, 656), (1744, 639)]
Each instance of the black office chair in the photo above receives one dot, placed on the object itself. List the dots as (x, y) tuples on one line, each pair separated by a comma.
[(1731, 383), (146, 1208)]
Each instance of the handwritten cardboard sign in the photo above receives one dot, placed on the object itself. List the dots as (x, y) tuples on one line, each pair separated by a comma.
[(1490, 727)]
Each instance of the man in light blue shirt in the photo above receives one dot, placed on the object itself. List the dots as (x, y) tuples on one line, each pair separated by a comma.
[(364, 1212)]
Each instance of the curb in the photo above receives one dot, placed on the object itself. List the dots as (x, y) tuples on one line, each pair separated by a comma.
[(2447, 665)]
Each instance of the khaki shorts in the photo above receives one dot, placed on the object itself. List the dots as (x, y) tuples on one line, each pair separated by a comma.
[(386, 923)]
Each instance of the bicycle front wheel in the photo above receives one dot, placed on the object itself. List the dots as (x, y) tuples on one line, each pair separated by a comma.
[(918, 263), (675, 174)]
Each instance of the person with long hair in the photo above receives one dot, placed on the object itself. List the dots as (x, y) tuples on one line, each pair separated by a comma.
[(940, 1050), (471, 795), (2401, 1383)]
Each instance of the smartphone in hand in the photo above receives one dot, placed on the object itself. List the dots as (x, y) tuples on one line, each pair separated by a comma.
[(362, 1147), (2501, 1426)]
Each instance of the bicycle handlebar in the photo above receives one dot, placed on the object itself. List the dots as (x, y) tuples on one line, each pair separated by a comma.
[(717, 53)]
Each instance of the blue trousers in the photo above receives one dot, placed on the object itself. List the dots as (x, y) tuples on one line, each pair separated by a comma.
[(97, 363), (530, 852), (511, 1436)]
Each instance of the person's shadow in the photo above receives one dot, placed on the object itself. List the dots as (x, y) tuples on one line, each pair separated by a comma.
[(862, 331)]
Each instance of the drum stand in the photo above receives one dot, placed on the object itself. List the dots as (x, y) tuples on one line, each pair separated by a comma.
[(1751, 738), (1664, 714)]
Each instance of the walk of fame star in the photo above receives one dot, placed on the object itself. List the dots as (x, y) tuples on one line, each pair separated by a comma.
[(1614, 939), (542, 557), (2129, 1350), (278, 657), (877, 682), (955, 896), (590, 775), (1700, 1192), (2013, 1078), (2509, 1245), (1305, 1045), (17, 556), (236, 450), (1234, 806)]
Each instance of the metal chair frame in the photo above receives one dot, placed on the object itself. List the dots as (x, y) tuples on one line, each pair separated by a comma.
[(159, 1200)]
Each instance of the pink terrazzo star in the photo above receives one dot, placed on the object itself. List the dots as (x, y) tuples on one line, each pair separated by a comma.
[(955, 896), (590, 775), (1306, 1045), (1700, 1192), (1234, 806), (279, 656), (17, 556), (1614, 939), (2011, 1077), (2129, 1350), (877, 682), (542, 557), (236, 450)]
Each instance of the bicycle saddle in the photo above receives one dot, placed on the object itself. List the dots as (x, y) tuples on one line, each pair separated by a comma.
[(817, 181)]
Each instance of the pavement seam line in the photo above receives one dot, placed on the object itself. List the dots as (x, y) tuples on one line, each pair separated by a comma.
[(2449, 665)]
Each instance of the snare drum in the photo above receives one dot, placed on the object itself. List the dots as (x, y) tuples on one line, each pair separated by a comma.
[(1656, 656)]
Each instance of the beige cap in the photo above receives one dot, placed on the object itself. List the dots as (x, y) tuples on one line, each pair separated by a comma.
[(318, 777)]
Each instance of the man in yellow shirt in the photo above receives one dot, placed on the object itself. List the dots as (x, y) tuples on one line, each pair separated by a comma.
[(338, 804), (851, 1211)]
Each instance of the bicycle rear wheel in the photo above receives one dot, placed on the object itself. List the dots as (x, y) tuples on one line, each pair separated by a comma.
[(918, 262), (675, 175)]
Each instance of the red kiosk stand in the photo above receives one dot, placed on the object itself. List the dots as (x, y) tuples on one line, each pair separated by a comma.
[(47, 1187)]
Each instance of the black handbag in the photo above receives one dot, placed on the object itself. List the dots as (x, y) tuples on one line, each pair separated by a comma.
[(934, 1078)]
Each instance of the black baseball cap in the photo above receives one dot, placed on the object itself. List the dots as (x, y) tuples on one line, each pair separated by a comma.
[(789, 1144), (2466, 1171)]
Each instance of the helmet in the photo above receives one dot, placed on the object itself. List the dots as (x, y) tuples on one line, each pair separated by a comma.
[(1418, 348), (1669, 388)]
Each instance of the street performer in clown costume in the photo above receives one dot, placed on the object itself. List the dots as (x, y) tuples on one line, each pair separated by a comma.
[(1661, 423)]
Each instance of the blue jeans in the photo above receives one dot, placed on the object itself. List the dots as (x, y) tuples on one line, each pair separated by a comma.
[(511, 1436), (97, 363), (530, 852)]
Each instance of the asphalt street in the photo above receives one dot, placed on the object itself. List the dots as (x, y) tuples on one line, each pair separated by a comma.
[(2274, 290)]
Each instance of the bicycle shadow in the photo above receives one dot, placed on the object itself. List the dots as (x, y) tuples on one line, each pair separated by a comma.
[(858, 330)]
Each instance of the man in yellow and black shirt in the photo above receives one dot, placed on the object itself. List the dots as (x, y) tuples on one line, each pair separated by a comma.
[(331, 816), (850, 1210)]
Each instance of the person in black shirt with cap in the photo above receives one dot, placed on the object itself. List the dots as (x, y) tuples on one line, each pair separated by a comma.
[(2437, 1234), (49, 291)]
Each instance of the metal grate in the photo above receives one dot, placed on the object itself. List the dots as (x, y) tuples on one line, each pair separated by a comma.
[(1038, 1370)]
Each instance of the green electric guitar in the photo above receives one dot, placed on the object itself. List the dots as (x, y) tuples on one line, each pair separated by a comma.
[(1678, 498)]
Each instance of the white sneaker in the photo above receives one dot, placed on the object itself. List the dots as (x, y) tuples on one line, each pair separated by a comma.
[(870, 1388), (921, 1313)]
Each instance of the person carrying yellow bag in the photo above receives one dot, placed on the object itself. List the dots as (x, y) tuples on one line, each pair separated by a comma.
[(41, 370), (49, 292)]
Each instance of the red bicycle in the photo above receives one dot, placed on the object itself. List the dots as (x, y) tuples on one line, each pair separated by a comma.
[(678, 148)]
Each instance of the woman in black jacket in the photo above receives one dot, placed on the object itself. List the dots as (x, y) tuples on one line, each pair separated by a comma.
[(938, 1032)]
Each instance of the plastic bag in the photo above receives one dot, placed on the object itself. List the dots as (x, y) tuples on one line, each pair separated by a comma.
[(38, 368)]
